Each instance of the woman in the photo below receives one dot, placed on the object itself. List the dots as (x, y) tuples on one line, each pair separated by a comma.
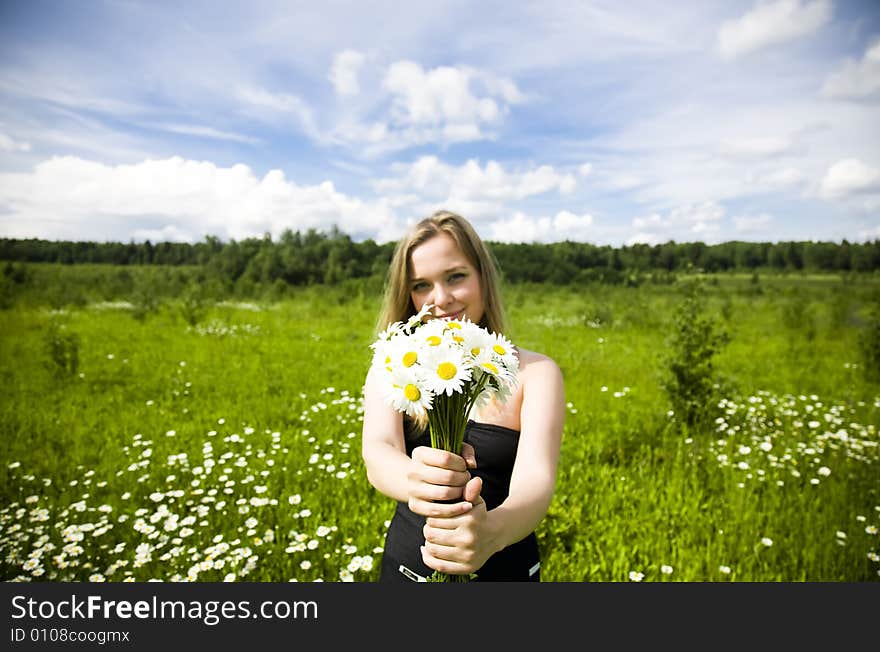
[(474, 513)]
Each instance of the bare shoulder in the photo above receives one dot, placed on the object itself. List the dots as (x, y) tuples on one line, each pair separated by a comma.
[(534, 364)]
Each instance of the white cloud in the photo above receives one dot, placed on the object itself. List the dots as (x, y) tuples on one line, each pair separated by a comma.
[(781, 178), (275, 106), (205, 132), (770, 23), (753, 223), (849, 176), (565, 225), (651, 221), (856, 80), (585, 170), (7, 144), (411, 106), (470, 183), (445, 104), (68, 197), (683, 223), (870, 233), (344, 73), (645, 238), (757, 147)]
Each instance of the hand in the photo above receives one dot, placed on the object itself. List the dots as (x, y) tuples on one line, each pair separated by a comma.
[(460, 544), (436, 475)]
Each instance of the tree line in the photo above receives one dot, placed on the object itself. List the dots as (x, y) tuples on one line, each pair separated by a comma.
[(313, 257)]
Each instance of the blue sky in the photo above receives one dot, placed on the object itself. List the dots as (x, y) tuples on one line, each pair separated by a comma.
[(604, 122)]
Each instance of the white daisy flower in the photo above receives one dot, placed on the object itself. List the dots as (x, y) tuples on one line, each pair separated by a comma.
[(402, 352), (471, 337), (503, 348), (446, 369), (416, 319), (433, 333), (408, 392)]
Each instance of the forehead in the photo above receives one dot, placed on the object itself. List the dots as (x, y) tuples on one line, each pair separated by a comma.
[(436, 255)]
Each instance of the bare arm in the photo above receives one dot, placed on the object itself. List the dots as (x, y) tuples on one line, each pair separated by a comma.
[(533, 479)]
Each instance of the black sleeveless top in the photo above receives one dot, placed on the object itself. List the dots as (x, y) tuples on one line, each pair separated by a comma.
[(495, 447)]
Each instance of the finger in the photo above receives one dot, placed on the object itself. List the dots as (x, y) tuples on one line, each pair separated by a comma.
[(439, 536), (439, 458), (427, 491), (470, 455), (442, 565), (452, 557), (472, 491), (438, 476), (429, 508), (449, 522)]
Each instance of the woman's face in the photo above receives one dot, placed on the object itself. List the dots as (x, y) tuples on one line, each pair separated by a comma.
[(441, 275)]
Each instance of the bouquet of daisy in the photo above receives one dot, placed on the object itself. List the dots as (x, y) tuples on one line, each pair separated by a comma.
[(443, 369)]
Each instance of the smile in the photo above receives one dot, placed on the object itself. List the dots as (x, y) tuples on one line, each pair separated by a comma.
[(451, 316)]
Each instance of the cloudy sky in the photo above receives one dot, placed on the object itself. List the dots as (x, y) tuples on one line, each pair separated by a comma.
[(599, 121)]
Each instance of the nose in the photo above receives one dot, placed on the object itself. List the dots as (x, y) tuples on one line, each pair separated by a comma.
[(442, 295)]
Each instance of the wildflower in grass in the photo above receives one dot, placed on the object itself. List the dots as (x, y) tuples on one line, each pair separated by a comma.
[(636, 576), (871, 529), (766, 541), (724, 569), (666, 569), (873, 556)]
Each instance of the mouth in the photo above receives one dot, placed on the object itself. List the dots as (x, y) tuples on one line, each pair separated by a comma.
[(451, 316)]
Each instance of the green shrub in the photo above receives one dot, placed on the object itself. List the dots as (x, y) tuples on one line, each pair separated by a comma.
[(690, 381), (62, 349)]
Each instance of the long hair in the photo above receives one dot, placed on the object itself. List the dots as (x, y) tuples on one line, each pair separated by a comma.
[(397, 304)]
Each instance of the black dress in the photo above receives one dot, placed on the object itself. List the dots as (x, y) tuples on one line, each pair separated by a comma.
[(495, 447)]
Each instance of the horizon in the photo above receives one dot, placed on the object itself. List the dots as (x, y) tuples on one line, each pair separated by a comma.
[(328, 232), (744, 121)]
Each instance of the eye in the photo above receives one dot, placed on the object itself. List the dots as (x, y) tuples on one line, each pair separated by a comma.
[(456, 277), (420, 286)]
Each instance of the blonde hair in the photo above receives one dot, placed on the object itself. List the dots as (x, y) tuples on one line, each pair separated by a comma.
[(397, 304)]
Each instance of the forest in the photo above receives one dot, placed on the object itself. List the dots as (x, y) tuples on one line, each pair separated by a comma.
[(314, 257)]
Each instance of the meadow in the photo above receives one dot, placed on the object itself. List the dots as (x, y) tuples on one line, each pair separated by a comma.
[(222, 441)]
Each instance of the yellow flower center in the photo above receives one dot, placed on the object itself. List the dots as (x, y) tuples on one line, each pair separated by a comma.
[(458, 338), (500, 350), (475, 351), (446, 370), (434, 340), (453, 324), (410, 358), (491, 367), (412, 392)]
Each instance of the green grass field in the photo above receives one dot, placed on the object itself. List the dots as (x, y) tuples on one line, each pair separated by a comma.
[(227, 446)]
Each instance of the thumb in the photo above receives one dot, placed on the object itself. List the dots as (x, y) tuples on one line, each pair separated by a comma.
[(472, 491), (469, 455)]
